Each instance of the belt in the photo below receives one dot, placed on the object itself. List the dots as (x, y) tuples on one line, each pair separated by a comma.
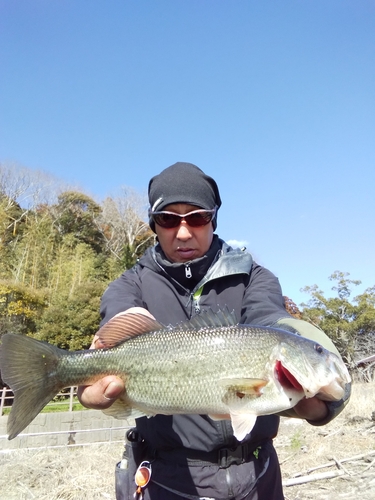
[(223, 457)]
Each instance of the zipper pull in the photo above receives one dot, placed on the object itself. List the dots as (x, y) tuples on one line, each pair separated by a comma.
[(188, 273), (197, 308), (196, 297)]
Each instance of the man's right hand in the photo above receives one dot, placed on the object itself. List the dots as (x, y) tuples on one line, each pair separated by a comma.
[(102, 393)]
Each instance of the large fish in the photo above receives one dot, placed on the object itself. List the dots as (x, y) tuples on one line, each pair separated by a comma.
[(209, 365)]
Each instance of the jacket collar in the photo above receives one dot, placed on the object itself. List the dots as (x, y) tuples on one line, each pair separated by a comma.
[(221, 260)]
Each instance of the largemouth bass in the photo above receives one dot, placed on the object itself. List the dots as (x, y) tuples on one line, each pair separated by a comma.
[(209, 365)]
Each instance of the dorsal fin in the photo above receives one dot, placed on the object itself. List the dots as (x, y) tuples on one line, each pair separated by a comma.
[(126, 326), (209, 319)]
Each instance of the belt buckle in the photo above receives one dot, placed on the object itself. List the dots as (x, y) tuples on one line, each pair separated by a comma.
[(229, 456), (223, 458)]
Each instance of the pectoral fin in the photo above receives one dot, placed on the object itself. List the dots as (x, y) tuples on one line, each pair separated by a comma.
[(244, 386), (239, 392)]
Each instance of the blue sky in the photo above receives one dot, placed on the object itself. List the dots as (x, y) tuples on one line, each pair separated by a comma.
[(275, 99)]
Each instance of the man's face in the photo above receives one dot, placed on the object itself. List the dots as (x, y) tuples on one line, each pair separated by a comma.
[(184, 243)]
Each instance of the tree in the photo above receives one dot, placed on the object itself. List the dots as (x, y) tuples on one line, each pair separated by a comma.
[(349, 323), (26, 229), (12, 222), (292, 308), (365, 323), (33, 253), (123, 226), (73, 266), (73, 319), (12, 219), (75, 215), (20, 308), (29, 188)]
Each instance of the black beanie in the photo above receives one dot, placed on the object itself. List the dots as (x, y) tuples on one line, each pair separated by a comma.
[(183, 183)]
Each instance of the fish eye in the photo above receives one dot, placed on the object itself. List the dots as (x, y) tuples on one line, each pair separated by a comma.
[(319, 349)]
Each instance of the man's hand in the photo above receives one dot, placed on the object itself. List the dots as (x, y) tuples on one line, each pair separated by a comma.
[(104, 392), (311, 409)]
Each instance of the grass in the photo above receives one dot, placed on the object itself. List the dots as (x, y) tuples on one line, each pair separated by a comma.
[(296, 441), (55, 407), (52, 407), (60, 474)]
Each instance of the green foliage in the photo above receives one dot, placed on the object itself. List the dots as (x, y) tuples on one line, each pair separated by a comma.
[(20, 308), (296, 441), (350, 323), (72, 320), (33, 253), (73, 265), (365, 323), (128, 258), (55, 407), (75, 216)]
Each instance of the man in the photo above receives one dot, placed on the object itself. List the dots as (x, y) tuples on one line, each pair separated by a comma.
[(191, 270)]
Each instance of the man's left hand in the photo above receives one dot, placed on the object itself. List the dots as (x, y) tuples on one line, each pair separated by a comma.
[(311, 409)]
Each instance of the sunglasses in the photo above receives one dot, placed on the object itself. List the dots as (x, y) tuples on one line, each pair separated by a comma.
[(196, 218)]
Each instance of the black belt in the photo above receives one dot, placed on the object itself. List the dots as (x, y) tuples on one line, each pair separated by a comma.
[(223, 457)]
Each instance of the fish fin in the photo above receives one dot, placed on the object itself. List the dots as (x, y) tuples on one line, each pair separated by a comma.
[(122, 410), (26, 367), (126, 326), (242, 424), (209, 319), (244, 386)]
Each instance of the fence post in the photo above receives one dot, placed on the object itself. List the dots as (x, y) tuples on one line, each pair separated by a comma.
[(71, 394), (2, 402)]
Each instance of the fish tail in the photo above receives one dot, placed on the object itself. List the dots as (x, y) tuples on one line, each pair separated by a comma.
[(28, 367)]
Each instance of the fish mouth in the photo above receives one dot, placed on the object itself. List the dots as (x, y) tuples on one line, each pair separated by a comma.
[(285, 378)]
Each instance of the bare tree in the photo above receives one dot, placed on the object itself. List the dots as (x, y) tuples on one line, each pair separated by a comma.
[(123, 221), (29, 187)]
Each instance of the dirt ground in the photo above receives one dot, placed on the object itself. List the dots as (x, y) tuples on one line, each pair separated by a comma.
[(336, 461)]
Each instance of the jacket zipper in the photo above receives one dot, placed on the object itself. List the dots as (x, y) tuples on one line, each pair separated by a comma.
[(188, 272), (228, 478)]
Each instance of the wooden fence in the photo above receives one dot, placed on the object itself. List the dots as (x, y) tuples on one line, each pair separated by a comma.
[(62, 398), (59, 427)]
